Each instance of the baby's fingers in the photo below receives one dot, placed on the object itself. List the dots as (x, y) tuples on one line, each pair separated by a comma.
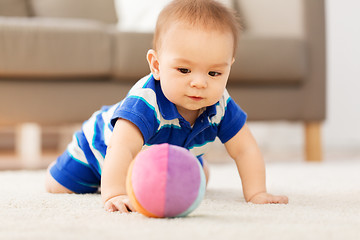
[(113, 206), (110, 207), (128, 205)]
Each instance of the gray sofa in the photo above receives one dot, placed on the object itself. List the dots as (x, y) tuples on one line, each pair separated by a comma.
[(60, 60)]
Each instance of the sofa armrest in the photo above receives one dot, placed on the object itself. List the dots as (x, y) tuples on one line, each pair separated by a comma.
[(315, 35)]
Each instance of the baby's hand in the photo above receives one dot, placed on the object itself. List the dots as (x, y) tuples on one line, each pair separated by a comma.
[(263, 198), (119, 203)]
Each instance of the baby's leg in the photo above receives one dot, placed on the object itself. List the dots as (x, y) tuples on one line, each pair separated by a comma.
[(72, 172), (52, 186)]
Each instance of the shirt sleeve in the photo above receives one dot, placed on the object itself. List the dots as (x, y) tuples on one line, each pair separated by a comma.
[(233, 121), (138, 111)]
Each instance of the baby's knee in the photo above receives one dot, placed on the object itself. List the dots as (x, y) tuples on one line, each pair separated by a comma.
[(52, 186)]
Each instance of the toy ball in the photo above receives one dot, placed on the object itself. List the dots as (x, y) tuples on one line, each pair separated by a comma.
[(165, 181)]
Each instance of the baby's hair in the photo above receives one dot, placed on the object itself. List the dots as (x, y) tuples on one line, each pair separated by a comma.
[(204, 14)]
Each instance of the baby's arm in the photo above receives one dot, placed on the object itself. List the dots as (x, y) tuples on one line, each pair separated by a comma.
[(248, 158), (126, 141)]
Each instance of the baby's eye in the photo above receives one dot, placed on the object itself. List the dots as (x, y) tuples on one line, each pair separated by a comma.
[(184, 70), (214, 74)]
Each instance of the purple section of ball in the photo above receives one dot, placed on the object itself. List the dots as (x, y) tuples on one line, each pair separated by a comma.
[(183, 181)]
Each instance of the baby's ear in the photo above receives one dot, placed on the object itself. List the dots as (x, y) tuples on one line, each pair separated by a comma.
[(152, 59)]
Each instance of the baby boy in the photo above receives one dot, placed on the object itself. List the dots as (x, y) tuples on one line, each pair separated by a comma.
[(182, 102)]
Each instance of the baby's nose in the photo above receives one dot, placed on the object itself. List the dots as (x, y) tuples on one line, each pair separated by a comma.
[(199, 82)]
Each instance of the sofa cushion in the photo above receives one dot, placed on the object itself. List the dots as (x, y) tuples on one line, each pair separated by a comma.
[(101, 10), (273, 18), (130, 50), (269, 60), (16, 8), (259, 60), (51, 48)]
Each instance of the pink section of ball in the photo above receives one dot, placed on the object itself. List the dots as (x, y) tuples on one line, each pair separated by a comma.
[(149, 178)]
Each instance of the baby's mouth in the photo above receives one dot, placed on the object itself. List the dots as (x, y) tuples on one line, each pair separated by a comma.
[(195, 98)]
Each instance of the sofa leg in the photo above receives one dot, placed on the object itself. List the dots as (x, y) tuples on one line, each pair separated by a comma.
[(28, 145), (313, 143)]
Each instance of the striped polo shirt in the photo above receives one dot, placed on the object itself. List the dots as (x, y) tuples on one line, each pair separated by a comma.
[(159, 122)]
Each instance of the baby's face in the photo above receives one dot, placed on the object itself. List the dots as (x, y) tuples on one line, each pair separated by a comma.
[(194, 66)]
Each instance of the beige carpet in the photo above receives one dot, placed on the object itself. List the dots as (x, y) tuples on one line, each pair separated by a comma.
[(324, 204)]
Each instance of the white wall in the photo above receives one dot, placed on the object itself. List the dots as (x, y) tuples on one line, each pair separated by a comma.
[(342, 128)]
